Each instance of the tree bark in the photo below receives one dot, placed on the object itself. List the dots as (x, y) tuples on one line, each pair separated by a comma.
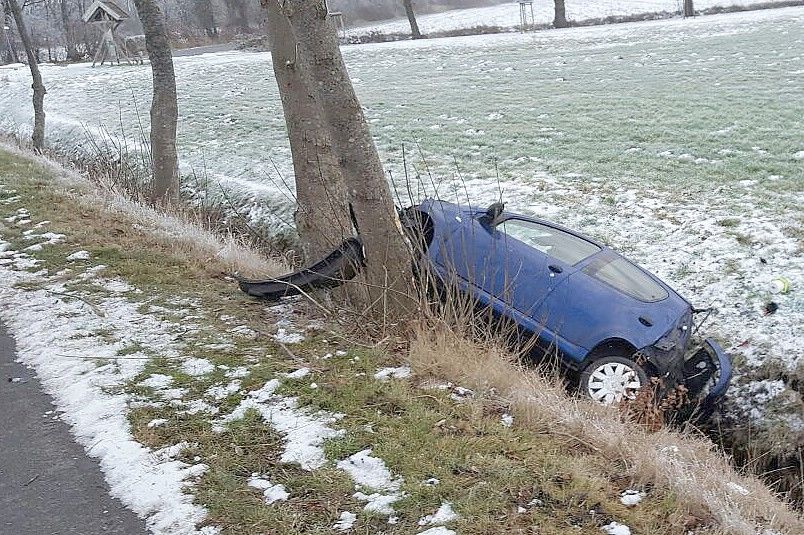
[(689, 9), (388, 259), (560, 20), (414, 25), (164, 106), (237, 11), (38, 137), (206, 17), (322, 213), (69, 41), (6, 50)]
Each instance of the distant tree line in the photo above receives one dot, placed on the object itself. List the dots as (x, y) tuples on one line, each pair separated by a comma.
[(57, 32)]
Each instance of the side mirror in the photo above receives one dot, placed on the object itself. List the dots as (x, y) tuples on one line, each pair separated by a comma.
[(493, 213)]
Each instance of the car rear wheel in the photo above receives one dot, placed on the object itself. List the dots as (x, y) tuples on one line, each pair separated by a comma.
[(612, 379)]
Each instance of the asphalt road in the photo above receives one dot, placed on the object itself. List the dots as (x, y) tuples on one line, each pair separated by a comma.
[(48, 486)]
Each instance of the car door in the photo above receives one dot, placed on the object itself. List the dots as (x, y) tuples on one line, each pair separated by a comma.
[(609, 297), (518, 261)]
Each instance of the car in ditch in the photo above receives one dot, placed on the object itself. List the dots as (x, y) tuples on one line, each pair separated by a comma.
[(614, 323), (611, 322)]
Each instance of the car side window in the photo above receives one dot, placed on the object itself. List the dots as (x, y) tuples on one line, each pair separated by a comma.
[(627, 278), (552, 242)]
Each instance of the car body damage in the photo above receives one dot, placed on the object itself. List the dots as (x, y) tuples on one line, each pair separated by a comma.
[(609, 320)]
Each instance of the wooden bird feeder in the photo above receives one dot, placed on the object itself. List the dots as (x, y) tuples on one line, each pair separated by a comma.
[(109, 15)]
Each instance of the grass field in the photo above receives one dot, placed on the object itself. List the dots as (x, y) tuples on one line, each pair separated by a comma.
[(679, 142), (506, 15)]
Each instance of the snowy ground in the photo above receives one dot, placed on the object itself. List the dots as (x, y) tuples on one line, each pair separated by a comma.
[(507, 15), (678, 142), (90, 339)]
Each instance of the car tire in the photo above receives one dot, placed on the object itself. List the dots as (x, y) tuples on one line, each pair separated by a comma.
[(612, 379)]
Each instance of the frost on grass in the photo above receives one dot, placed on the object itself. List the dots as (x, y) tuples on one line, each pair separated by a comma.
[(507, 15), (304, 431), (374, 482), (83, 384), (663, 212)]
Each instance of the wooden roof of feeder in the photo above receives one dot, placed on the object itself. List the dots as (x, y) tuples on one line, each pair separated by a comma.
[(105, 11)]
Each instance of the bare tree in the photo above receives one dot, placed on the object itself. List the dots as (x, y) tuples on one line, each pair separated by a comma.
[(560, 20), (8, 52), (322, 214), (388, 259), (689, 9), (67, 27), (38, 138), (206, 17), (164, 106), (237, 14), (414, 26)]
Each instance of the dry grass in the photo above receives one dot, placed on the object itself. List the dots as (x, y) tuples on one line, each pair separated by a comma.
[(685, 464), (182, 230)]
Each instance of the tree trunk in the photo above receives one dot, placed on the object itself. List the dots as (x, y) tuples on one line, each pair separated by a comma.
[(206, 17), (69, 41), (5, 40), (322, 214), (560, 20), (689, 9), (164, 106), (38, 138), (237, 12), (414, 26), (388, 260)]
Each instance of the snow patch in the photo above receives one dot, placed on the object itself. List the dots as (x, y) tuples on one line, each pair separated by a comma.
[(384, 374), (196, 367), (298, 374), (443, 515), (615, 528), (78, 255), (439, 530), (507, 420), (345, 522), (370, 474), (630, 497), (271, 493), (304, 431), (219, 392)]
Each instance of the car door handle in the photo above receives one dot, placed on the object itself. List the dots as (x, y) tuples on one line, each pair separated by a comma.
[(645, 321), (555, 269)]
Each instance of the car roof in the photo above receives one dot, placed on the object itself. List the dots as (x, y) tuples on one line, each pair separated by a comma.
[(474, 212)]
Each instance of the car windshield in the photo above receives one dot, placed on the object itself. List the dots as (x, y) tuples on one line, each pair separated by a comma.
[(553, 242), (628, 278)]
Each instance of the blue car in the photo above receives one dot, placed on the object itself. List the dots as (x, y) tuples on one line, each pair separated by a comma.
[(608, 319)]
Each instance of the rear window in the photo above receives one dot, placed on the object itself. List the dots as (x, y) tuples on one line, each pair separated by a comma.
[(627, 278), (553, 242)]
